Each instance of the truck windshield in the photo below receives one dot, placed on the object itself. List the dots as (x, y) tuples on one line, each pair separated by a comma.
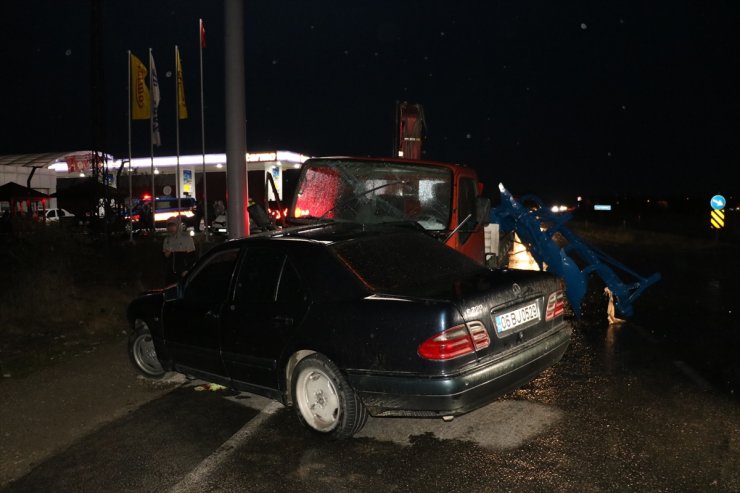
[(374, 192)]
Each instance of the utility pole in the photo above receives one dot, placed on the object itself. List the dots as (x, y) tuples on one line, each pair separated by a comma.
[(236, 128)]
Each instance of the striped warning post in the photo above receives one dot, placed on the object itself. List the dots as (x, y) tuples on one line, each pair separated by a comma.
[(717, 219)]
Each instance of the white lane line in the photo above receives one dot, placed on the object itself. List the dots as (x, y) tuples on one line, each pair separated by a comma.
[(693, 375), (192, 481)]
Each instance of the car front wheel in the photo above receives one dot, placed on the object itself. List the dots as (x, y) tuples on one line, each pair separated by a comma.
[(142, 353), (323, 399)]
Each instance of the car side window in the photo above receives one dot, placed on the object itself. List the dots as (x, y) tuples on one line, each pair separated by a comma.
[(465, 207), (259, 276), (209, 285), (290, 290), (52, 214)]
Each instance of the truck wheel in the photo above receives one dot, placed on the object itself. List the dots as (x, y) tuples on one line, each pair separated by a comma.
[(323, 399), (142, 353)]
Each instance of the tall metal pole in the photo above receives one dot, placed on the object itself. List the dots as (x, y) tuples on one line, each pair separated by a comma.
[(201, 42), (130, 179), (236, 146), (151, 136), (177, 129)]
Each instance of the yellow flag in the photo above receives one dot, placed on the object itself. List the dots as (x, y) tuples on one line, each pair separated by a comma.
[(182, 109), (140, 100)]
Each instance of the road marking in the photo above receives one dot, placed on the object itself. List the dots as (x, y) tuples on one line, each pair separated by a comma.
[(686, 369), (693, 375), (192, 481)]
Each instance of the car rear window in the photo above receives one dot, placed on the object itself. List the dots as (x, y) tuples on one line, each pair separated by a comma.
[(405, 263)]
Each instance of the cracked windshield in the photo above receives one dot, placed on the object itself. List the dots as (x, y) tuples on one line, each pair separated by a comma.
[(374, 192)]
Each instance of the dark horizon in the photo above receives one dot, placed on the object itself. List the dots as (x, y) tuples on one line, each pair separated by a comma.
[(588, 99)]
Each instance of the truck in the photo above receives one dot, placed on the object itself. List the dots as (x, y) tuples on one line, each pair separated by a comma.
[(443, 199)]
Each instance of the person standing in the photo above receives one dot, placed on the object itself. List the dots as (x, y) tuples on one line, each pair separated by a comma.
[(179, 252)]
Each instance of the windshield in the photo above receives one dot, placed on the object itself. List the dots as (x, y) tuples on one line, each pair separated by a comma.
[(374, 192)]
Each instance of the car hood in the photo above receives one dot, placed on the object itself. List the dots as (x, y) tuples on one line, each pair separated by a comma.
[(147, 305)]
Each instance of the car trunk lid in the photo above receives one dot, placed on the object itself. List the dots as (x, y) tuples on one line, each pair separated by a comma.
[(511, 305)]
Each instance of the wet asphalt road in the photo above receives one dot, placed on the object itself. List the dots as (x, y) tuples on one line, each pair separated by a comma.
[(617, 414)]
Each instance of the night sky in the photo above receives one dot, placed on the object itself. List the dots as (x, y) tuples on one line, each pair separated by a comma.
[(560, 98)]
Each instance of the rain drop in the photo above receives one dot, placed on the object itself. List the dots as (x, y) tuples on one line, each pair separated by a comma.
[(584, 26), (68, 52), (168, 74), (468, 136), (274, 62), (442, 34), (346, 52)]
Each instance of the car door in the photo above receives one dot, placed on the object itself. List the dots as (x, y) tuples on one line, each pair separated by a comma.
[(269, 303), (192, 321)]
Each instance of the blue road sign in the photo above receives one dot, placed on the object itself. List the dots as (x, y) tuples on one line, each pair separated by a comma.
[(718, 202)]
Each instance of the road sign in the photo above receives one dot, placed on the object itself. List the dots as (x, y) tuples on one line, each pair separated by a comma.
[(717, 219), (718, 202)]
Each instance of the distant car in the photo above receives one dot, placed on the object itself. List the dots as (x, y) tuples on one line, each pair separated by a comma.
[(345, 320), (259, 221), (218, 225), (166, 208), (55, 215)]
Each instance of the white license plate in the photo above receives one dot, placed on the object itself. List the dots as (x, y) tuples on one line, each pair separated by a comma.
[(515, 318)]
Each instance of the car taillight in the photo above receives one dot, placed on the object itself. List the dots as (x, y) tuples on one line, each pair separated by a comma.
[(555, 305), (455, 342), (135, 217)]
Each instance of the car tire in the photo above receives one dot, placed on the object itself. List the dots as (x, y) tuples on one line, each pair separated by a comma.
[(142, 353), (323, 400)]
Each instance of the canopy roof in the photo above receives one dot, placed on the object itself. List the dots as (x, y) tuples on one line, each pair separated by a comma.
[(41, 160), (12, 191)]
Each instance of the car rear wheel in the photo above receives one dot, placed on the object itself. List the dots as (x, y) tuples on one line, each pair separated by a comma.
[(142, 353), (323, 399)]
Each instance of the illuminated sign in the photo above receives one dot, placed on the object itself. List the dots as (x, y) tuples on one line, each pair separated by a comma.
[(602, 207)]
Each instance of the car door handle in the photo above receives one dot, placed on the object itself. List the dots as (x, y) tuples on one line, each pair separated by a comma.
[(282, 320)]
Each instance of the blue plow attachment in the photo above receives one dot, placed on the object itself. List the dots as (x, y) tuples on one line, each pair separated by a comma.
[(537, 227)]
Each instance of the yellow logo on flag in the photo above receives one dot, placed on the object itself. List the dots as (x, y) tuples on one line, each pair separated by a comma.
[(140, 100), (182, 109)]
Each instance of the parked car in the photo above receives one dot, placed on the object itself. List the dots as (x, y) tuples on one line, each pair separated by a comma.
[(166, 208), (343, 320), (259, 221), (55, 215)]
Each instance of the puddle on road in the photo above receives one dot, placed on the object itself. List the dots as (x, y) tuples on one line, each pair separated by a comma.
[(501, 425)]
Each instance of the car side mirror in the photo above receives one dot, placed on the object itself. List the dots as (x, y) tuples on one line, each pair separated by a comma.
[(483, 210)]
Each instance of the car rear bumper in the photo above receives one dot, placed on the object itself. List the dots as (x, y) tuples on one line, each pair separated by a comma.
[(395, 395)]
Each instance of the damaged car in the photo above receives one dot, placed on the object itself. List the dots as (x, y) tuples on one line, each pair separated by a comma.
[(342, 320)]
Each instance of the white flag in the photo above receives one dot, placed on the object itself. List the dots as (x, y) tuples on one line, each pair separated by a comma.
[(156, 139)]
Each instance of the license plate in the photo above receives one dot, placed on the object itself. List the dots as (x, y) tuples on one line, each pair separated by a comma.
[(517, 318)]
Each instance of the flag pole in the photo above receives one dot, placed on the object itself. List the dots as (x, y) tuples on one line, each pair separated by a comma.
[(177, 127), (130, 179), (201, 42), (151, 137)]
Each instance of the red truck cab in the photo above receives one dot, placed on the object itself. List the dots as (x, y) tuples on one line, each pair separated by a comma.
[(442, 198)]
